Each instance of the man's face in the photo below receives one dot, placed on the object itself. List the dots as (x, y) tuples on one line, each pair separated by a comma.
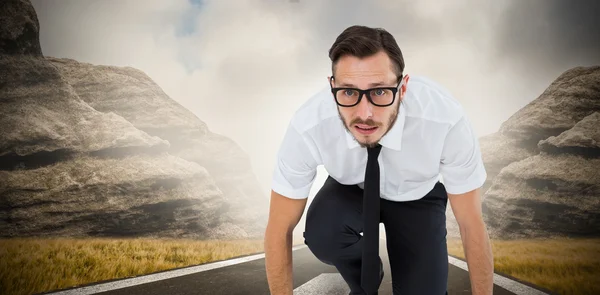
[(369, 72)]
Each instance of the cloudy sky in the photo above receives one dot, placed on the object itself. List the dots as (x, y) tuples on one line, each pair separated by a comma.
[(244, 66)]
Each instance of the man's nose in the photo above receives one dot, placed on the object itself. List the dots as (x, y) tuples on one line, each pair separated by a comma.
[(364, 109)]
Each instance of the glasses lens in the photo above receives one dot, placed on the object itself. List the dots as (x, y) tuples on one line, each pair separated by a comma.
[(381, 96), (347, 96)]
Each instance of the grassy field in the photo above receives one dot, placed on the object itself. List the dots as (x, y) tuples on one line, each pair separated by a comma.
[(30, 266), (564, 266), (37, 265)]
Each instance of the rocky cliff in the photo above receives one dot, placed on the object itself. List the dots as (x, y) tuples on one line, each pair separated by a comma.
[(544, 164), (91, 150)]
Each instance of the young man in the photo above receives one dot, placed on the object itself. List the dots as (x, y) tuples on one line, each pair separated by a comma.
[(384, 139)]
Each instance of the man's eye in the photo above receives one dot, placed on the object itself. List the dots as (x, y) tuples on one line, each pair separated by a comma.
[(348, 92), (379, 92)]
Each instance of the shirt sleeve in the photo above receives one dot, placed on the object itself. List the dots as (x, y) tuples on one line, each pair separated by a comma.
[(461, 163), (295, 167)]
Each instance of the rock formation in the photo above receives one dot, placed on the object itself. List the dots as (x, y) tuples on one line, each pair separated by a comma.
[(102, 151), (573, 96), (132, 95), (543, 165)]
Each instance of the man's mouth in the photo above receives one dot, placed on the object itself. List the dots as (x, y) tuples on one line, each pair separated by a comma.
[(365, 129)]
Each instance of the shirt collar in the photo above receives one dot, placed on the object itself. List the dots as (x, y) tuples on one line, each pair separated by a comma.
[(392, 140)]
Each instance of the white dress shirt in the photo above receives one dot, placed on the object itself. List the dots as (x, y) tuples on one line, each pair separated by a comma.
[(432, 140)]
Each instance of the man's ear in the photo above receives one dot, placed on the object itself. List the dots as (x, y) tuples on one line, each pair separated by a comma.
[(404, 84)]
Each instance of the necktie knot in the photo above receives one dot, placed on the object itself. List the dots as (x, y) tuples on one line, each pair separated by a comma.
[(374, 151)]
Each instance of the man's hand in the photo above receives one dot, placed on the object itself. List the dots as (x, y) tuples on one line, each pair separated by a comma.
[(478, 252), (284, 215)]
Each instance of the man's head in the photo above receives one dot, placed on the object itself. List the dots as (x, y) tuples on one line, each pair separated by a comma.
[(366, 58)]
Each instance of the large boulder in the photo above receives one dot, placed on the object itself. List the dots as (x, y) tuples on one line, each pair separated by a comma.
[(549, 185), (573, 96), (543, 164), (131, 94), (102, 151)]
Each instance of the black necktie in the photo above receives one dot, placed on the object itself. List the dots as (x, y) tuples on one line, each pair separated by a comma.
[(370, 276)]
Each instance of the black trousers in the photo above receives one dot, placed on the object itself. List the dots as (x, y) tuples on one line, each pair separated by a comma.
[(415, 237)]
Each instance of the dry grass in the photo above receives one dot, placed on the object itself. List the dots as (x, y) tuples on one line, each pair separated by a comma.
[(30, 266), (564, 266)]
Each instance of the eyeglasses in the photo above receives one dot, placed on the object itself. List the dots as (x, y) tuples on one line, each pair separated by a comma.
[(379, 96)]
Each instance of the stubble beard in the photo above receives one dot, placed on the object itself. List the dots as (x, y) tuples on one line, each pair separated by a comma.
[(391, 123)]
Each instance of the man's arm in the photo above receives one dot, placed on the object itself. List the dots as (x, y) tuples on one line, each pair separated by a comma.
[(284, 215), (478, 252)]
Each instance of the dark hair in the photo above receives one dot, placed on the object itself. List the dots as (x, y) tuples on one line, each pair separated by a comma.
[(362, 41)]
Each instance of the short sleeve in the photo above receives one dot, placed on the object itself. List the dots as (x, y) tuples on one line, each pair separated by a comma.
[(461, 163), (295, 167)]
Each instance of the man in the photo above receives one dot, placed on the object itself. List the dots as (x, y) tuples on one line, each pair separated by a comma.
[(379, 132)]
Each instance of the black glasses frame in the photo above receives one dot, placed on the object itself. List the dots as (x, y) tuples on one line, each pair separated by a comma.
[(366, 92)]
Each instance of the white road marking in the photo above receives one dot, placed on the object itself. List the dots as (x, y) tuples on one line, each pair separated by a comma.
[(325, 283), (103, 287)]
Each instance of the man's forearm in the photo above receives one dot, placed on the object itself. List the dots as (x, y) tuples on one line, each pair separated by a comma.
[(480, 261), (278, 263)]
